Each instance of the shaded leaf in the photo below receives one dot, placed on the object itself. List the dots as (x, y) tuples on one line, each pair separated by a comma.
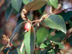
[(32, 40), (29, 41), (15, 51), (16, 29), (54, 3), (49, 47), (56, 49), (35, 5), (56, 22), (16, 4), (43, 52), (70, 40), (8, 12), (26, 1), (59, 44), (41, 10), (59, 36), (67, 15), (42, 34)]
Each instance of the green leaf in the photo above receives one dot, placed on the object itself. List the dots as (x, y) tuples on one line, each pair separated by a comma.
[(16, 30), (26, 1), (8, 12), (29, 41), (22, 48), (60, 45), (56, 22), (18, 50), (15, 51), (23, 51), (43, 45), (42, 33), (49, 3), (41, 10), (54, 3), (70, 40), (51, 51), (32, 39), (16, 4), (59, 36), (49, 47), (67, 15), (35, 5)]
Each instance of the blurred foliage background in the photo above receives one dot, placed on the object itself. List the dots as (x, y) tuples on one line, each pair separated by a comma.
[(10, 17)]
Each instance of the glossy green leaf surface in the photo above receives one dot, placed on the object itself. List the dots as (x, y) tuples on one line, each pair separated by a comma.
[(56, 22), (42, 34), (54, 3), (35, 5), (29, 41), (49, 3), (26, 1)]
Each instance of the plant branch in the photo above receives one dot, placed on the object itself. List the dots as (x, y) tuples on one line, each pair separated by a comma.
[(61, 11), (42, 18)]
